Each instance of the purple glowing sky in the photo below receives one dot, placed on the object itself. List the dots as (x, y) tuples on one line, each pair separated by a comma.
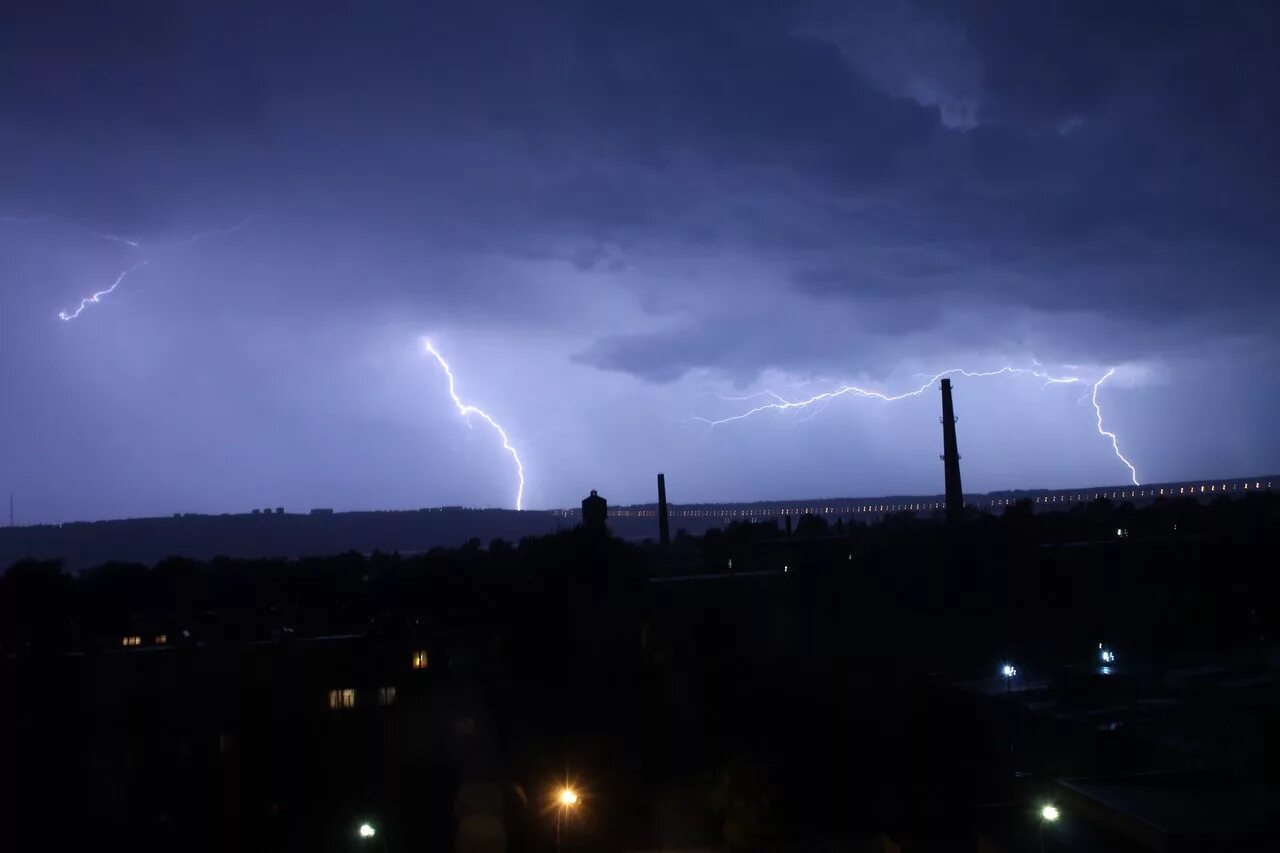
[(609, 217)]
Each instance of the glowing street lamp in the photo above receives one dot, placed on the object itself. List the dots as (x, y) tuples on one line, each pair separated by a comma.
[(1008, 671), (1048, 814), (566, 798), (367, 832)]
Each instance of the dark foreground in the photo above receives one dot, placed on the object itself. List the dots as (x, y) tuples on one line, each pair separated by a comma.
[(833, 689)]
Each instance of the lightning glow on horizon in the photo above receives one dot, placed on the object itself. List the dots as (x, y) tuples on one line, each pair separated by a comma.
[(1115, 445), (95, 298), (466, 410), (820, 401)]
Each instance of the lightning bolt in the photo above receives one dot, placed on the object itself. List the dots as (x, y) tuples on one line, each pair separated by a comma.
[(8, 219), (1115, 445), (133, 244), (219, 232), (821, 401), (466, 410), (95, 298), (782, 405)]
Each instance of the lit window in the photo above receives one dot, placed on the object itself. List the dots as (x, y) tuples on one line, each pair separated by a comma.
[(342, 699), (131, 641), (161, 639), (386, 695), (420, 659)]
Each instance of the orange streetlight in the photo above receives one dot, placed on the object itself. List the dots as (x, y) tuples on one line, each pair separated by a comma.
[(566, 799)]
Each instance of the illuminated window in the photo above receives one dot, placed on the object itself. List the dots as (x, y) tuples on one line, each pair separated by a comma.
[(342, 699), (386, 695), (131, 641), (161, 639), (420, 659)]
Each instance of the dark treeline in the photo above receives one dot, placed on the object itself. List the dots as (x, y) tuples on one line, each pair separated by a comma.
[(796, 699)]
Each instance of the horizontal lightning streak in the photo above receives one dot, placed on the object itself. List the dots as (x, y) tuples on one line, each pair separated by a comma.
[(821, 401), (782, 405), (1115, 445), (466, 410), (95, 298), (220, 232)]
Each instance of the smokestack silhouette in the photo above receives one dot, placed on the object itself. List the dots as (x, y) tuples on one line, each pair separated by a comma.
[(664, 525), (951, 457)]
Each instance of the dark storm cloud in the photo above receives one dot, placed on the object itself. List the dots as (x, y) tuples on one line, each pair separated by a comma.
[(651, 188), (1024, 155), (1102, 159)]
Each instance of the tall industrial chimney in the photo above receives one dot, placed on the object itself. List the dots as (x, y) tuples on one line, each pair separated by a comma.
[(951, 457), (664, 526)]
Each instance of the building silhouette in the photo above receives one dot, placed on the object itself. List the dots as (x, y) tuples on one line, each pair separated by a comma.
[(664, 523), (951, 457), (595, 510)]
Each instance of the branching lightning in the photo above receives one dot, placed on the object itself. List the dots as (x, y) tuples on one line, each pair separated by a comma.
[(466, 410), (818, 402), (1115, 445), (95, 298), (782, 405)]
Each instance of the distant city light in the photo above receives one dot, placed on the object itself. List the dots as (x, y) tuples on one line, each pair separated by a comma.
[(1008, 670), (1107, 655)]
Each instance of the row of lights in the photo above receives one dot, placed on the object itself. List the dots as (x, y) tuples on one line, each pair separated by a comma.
[(134, 640), (721, 512), (1198, 488)]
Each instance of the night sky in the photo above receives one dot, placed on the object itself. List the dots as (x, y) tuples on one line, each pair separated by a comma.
[(609, 217)]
